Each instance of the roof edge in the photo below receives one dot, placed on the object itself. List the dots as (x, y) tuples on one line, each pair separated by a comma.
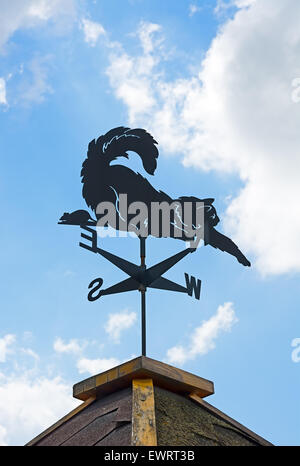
[(230, 420), (61, 421), (163, 375)]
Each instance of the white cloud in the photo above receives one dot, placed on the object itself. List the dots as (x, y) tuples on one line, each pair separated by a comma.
[(203, 338), (244, 3), (296, 352), (237, 116), (19, 14), (30, 85), (73, 346), (23, 14), (129, 76), (223, 5), (92, 31), (29, 401), (31, 353), (34, 89), (5, 344), (3, 436), (194, 9), (149, 41), (29, 404), (45, 9), (119, 322), (3, 100), (94, 366)]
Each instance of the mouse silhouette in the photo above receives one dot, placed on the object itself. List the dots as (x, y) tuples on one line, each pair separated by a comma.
[(78, 217)]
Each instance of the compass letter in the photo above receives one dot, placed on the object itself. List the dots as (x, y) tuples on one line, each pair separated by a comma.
[(192, 286), (98, 282), (92, 238)]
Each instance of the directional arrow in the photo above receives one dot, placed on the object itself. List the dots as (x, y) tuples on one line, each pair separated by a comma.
[(154, 272), (142, 275), (122, 264), (162, 283), (126, 285)]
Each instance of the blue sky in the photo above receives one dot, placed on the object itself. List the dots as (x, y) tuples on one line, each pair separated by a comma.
[(217, 85)]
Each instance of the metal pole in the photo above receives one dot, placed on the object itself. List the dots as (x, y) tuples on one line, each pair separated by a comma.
[(143, 296), (142, 250), (143, 303)]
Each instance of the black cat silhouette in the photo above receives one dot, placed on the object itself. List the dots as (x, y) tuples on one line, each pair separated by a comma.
[(103, 181)]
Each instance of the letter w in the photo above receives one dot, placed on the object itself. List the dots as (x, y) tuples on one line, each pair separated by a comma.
[(192, 286)]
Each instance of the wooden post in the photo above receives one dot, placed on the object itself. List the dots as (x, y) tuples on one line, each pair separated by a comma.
[(143, 413)]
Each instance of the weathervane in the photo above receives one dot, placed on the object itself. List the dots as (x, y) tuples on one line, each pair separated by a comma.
[(124, 200)]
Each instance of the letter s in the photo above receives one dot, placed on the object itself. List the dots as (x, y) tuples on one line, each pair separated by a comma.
[(98, 282)]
